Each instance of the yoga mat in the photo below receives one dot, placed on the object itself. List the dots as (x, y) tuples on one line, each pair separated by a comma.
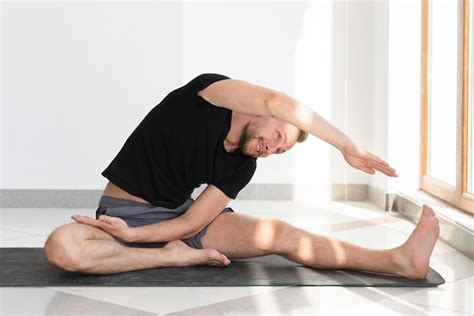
[(29, 267)]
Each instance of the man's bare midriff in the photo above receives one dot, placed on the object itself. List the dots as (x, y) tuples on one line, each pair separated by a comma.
[(116, 192)]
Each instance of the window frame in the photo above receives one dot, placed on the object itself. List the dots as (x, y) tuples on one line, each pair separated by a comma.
[(458, 195)]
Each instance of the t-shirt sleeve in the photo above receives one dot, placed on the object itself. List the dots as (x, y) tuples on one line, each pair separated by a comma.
[(232, 185), (202, 81)]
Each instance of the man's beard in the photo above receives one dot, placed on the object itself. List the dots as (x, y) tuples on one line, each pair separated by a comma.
[(247, 136)]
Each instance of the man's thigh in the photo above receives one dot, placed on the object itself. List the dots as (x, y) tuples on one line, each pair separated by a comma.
[(242, 236), (78, 232)]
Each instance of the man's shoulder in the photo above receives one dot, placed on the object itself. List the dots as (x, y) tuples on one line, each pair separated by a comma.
[(203, 80)]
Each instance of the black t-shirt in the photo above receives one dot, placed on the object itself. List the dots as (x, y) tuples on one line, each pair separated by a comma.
[(178, 146)]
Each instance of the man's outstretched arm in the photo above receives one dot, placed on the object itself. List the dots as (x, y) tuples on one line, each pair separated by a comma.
[(241, 96), (244, 97)]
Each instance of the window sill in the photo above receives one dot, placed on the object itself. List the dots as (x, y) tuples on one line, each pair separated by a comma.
[(443, 209)]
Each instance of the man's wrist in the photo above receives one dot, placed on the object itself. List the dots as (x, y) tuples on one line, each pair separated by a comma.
[(346, 144), (132, 235)]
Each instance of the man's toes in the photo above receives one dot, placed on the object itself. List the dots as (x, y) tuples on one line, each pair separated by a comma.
[(217, 263), (428, 211), (425, 210), (432, 212)]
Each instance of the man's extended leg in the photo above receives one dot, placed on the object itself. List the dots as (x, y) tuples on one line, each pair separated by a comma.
[(240, 236), (83, 248)]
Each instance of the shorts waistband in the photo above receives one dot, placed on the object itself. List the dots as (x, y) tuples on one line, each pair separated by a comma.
[(108, 201)]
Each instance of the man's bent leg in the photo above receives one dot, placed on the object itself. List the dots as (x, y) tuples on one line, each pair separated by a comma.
[(240, 236), (83, 248)]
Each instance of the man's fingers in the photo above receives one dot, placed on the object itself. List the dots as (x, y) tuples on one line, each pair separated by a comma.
[(388, 171), (82, 218), (384, 168), (110, 220), (372, 162), (88, 221), (378, 161), (368, 170), (104, 218)]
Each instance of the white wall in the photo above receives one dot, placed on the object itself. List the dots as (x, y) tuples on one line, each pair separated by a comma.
[(1, 99), (397, 92), (352, 81), (380, 89), (73, 91), (404, 94), (77, 78)]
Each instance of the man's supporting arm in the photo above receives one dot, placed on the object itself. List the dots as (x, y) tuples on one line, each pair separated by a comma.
[(204, 210)]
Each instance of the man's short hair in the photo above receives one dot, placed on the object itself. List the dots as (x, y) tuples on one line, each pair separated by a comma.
[(303, 136)]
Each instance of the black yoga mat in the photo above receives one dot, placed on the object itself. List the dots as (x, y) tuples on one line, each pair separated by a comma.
[(29, 267)]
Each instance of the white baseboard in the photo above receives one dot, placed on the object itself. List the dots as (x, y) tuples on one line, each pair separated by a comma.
[(38, 198)]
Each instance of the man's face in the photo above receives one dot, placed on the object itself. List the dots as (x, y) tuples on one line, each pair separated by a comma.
[(266, 135)]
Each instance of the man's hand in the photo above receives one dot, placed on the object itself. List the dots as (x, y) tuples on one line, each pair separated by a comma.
[(115, 226), (365, 161)]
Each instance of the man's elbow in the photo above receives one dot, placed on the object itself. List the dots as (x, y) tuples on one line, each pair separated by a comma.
[(193, 227), (191, 234)]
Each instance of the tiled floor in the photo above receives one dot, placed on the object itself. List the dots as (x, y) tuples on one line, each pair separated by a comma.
[(357, 222)]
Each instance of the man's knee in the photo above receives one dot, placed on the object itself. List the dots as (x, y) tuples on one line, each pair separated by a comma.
[(63, 248), (270, 235)]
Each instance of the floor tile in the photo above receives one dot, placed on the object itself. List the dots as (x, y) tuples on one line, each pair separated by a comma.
[(453, 266), (455, 296), (31, 241), (40, 301), (10, 234), (314, 301), (167, 299)]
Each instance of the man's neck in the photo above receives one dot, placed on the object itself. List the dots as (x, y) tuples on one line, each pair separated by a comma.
[(237, 125)]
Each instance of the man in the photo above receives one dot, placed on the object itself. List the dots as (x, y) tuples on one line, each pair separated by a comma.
[(211, 131)]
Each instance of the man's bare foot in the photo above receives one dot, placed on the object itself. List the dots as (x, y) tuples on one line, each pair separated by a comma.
[(416, 251), (181, 255)]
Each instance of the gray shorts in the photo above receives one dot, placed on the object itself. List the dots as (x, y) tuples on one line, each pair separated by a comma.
[(137, 214)]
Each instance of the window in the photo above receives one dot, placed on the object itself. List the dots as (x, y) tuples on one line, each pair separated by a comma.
[(447, 102)]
